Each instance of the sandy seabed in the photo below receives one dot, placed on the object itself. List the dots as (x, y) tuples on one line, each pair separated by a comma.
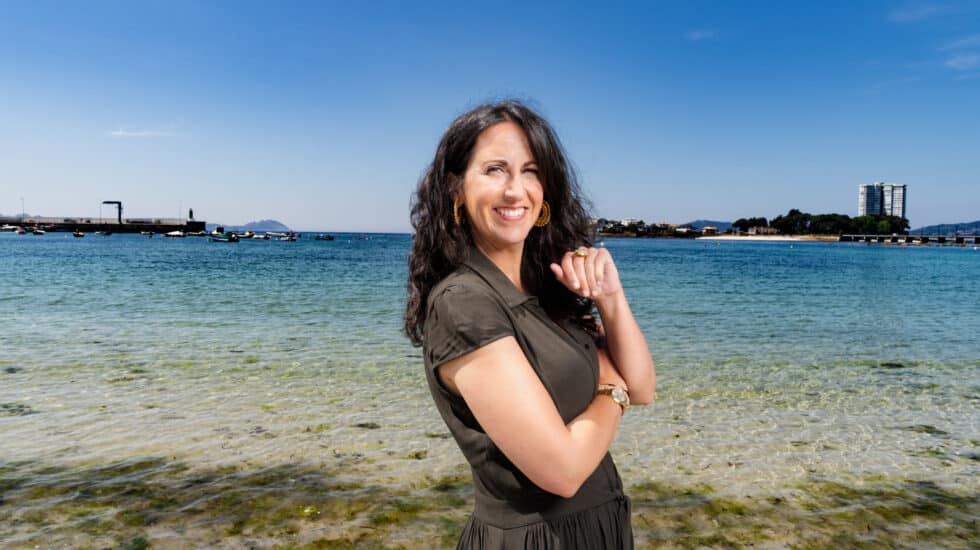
[(165, 503)]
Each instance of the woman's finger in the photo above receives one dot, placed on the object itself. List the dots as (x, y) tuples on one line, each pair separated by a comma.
[(568, 268), (590, 262), (578, 261), (556, 269), (601, 261)]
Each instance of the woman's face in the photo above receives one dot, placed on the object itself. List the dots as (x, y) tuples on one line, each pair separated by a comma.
[(501, 190)]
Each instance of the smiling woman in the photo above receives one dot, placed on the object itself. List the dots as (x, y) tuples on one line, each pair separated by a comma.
[(502, 287)]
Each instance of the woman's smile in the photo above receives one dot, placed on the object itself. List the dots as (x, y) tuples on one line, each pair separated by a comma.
[(511, 214)]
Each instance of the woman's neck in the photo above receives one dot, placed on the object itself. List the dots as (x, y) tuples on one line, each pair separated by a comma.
[(508, 260)]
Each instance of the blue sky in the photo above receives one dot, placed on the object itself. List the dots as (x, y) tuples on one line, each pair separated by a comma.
[(324, 114)]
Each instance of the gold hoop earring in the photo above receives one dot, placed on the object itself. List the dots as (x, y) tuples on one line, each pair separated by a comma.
[(545, 215), (456, 214)]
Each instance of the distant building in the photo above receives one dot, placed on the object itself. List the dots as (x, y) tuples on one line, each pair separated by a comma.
[(881, 199), (760, 230), (709, 230), (630, 221)]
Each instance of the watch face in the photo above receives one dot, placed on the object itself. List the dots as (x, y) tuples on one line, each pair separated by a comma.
[(620, 396)]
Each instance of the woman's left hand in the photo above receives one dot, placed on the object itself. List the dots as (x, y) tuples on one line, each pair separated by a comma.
[(588, 272)]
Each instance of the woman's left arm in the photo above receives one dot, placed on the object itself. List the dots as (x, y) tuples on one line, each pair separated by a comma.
[(593, 275)]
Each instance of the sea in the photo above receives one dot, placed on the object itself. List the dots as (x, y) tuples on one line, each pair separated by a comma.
[(169, 393)]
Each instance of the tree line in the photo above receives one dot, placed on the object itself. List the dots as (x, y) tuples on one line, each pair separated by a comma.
[(796, 222)]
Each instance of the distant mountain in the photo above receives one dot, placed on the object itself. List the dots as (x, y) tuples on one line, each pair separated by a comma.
[(967, 228), (700, 224), (259, 226)]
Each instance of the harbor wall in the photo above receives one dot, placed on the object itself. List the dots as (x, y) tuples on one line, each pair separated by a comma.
[(128, 225)]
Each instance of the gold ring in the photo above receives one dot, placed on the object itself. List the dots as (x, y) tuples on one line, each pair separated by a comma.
[(582, 251)]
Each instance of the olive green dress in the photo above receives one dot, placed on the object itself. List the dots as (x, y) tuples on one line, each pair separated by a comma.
[(475, 306)]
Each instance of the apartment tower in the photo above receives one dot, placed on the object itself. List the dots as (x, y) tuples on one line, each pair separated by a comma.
[(881, 199)]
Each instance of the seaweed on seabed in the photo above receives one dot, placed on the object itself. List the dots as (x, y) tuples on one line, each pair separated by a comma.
[(283, 506), (120, 501), (818, 514), (15, 409)]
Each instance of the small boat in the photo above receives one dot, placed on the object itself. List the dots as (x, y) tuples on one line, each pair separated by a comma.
[(37, 231), (77, 234), (257, 237), (8, 227), (104, 233), (322, 237), (224, 238), (174, 235), (20, 231)]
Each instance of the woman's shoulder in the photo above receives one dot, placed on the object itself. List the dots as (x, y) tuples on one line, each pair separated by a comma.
[(464, 313), (462, 283)]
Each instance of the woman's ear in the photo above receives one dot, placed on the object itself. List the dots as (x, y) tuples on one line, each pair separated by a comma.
[(455, 188)]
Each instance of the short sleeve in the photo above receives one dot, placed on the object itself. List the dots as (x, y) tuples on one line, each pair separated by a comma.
[(462, 319)]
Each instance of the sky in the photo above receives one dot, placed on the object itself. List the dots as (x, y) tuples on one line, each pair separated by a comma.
[(324, 114)]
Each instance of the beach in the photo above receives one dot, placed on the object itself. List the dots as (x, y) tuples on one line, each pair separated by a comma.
[(173, 394), (770, 238)]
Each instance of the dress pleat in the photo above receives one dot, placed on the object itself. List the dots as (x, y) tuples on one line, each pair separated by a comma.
[(605, 527)]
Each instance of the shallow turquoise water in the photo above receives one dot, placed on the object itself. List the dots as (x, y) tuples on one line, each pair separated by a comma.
[(776, 361)]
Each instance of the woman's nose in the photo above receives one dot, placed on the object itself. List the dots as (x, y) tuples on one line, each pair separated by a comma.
[(514, 187)]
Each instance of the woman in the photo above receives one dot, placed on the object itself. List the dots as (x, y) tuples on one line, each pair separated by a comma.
[(502, 283)]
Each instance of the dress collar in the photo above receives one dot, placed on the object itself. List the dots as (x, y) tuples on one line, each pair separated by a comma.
[(489, 272)]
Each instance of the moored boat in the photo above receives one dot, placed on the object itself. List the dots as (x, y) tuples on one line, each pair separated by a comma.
[(225, 238)]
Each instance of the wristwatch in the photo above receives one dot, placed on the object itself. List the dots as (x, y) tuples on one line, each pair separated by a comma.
[(618, 394)]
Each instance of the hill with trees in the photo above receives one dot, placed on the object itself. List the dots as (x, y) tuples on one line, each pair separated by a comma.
[(259, 226), (967, 228), (796, 222)]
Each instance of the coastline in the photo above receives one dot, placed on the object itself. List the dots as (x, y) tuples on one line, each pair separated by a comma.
[(773, 238)]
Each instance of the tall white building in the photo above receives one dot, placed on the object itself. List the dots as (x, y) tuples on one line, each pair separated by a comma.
[(881, 199)]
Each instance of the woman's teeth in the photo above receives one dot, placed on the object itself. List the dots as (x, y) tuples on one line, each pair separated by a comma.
[(511, 212)]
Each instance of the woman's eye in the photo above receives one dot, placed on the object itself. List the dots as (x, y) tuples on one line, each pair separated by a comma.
[(493, 169)]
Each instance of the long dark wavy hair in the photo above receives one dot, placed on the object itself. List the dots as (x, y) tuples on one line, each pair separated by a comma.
[(440, 246)]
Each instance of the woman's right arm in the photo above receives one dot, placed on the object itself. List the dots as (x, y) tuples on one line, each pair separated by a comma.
[(514, 408)]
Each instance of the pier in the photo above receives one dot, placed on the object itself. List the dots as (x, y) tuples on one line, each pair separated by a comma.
[(913, 239), (113, 225)]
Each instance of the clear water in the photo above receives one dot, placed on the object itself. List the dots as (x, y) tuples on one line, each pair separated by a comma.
[(776, 362)]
